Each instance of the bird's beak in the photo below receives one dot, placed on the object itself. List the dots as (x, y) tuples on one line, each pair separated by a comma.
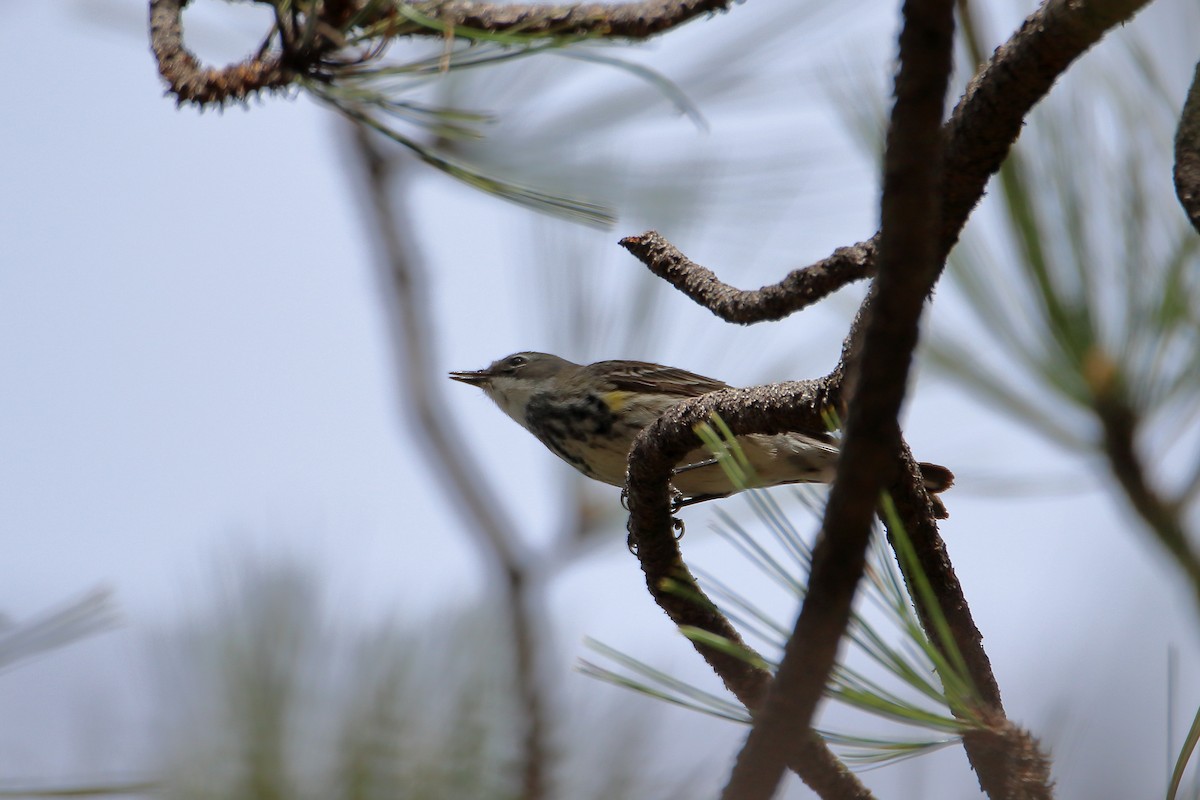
[(476, 378)]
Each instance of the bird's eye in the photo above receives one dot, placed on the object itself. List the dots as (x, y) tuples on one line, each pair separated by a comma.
[(510, 365)]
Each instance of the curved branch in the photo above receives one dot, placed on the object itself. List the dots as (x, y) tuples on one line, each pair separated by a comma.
[(981, 130), (801, 287), (1187, 153), (768, 409), (192, 82), (977, 138)]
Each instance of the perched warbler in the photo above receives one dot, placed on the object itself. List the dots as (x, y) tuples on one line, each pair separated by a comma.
[(589, 416)]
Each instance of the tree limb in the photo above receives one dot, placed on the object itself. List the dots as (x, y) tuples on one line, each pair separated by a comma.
[(981, 131), (1187, 153), (988, 118), (768, 409), (191, 82), (908, 267), (979, 134)]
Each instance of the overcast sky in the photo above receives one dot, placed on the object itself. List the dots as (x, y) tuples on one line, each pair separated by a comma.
[(195, 366)]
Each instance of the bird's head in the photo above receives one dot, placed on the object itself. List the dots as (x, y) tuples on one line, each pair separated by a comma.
[(511, 381)]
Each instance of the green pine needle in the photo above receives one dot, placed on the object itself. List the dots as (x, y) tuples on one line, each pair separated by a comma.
[(915, 664)]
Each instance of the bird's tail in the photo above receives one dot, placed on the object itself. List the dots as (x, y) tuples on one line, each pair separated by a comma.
[(937, 478)]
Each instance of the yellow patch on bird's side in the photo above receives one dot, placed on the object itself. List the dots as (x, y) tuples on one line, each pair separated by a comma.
[(616, 400)]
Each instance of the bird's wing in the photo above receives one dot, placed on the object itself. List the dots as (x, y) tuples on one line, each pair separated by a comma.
[(642, 376)]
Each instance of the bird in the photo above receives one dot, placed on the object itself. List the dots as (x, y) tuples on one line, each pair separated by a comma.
[(589, 415)]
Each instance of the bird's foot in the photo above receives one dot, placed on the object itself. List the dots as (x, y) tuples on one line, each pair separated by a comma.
[(680, 502)]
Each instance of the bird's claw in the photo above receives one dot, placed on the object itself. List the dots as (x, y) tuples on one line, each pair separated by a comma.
[(678, 501)]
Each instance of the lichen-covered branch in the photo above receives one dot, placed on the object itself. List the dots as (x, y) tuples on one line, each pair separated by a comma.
[(988, 118)]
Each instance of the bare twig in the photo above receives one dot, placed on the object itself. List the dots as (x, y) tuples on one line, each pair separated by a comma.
[(800, 289), (404, 293), (770, 409), (1187, 153), (981, 130), (908, 267)]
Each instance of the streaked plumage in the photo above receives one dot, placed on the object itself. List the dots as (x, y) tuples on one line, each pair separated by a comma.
[(588, 415)]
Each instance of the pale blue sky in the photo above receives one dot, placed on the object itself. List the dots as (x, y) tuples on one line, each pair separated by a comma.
[(194, 365)]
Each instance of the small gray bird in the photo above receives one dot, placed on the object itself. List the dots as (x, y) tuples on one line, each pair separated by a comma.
[(589, 415)]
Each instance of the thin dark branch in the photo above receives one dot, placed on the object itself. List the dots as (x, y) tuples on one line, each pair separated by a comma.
[(770, 409), (912, 510), (404, 293), (1163, 518), (1187, 153), (801, 288), (908, 266), (1006, 758), (981, 130)]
